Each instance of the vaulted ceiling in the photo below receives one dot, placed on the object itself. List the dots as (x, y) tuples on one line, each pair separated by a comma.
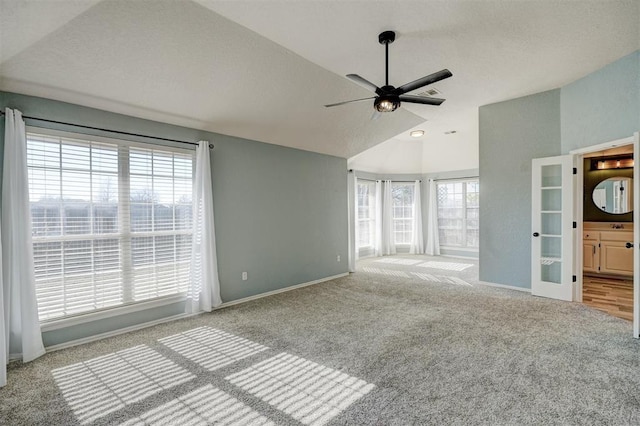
[(264, 69)]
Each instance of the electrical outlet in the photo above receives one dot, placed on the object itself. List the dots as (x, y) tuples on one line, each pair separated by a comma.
[(338, 258), (244, 276)]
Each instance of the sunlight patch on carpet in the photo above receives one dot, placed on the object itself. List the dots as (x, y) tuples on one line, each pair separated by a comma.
[(310, 393), (398, 261), (441, 279), (389, 272), (211, 348), (203, 406), (449, 266), (108, 383)]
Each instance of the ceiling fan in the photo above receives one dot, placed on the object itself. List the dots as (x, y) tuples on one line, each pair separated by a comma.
[(388, 98)]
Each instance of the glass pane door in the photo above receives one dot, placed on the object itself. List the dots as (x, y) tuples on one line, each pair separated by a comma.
[(552, 216), (551, 223)]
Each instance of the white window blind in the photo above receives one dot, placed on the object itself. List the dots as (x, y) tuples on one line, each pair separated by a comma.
[(111, 222), (402, 199)]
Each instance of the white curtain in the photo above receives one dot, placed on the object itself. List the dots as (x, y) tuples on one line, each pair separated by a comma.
[(352, 193), (417, 238), (204, 294), (377, 247), (20, 335), (433, 240), (388, 245)]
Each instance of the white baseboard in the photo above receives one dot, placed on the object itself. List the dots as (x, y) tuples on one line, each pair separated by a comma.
[(455, 256), (509, 287), (365, 256), (136, 327), (280, 290)]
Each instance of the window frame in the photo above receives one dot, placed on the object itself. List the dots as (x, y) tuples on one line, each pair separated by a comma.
[(410, 220), (371, 208), (130, 306), (465, 181)]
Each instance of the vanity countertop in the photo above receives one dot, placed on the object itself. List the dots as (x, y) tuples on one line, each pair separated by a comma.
[(608, 226)]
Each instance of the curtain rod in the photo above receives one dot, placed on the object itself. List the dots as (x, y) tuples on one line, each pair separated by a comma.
[(396, 181), (458, 178), (410, 181), (376, 180), (119, 132)]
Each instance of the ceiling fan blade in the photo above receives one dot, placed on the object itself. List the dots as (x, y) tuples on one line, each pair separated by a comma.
[(421, 100), (364, 83), (348, 102), (430, 79)]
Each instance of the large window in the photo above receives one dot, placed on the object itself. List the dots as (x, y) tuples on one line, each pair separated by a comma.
[(111, 222), (402, 199), (458, 204), (366, 213)]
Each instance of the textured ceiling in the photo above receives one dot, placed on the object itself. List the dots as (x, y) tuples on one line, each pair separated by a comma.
[(181, 63), (263, 69)]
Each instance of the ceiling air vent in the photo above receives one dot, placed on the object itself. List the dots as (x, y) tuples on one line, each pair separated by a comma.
[(429, 92)]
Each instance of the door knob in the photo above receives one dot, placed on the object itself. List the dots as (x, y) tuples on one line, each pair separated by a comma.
[(535, 234), (628, 245)]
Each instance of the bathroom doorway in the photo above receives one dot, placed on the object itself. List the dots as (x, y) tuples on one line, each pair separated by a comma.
[(608, 231), (606, 254)]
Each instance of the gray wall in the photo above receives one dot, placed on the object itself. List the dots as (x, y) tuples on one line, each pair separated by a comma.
[(280, 213), (512, 133), (603, 106)]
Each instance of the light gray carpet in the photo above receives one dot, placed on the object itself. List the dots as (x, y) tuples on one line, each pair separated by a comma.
[(392, 344)]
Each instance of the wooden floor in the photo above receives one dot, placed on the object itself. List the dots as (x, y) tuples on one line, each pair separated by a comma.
[(614, 296)]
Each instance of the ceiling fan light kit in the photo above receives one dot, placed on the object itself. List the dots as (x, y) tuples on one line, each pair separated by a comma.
[(389, 98), (386, 104)]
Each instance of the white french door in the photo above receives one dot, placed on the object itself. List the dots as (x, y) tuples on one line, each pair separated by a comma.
[(552, 227)]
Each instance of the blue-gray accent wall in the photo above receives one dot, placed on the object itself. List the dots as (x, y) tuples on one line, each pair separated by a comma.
[(280, 213), (601, 107), (511, 134)]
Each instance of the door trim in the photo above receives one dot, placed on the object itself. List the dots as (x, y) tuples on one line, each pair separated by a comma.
[(636, 238), (579, 211)]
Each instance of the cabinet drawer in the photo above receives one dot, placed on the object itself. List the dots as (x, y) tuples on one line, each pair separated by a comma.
[(616, 236), (591, 235)]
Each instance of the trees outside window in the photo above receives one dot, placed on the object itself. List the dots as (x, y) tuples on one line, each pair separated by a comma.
[(458, 213)]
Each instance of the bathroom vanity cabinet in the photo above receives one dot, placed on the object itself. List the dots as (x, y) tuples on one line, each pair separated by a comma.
[(607, 248)]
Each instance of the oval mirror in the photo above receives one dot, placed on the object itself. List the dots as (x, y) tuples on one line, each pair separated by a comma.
[(614, 195)]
